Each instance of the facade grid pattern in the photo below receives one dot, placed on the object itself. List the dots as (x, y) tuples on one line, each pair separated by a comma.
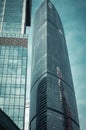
[(13, 69)]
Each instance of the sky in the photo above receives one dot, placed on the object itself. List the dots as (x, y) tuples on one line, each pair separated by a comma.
[(73, 16)]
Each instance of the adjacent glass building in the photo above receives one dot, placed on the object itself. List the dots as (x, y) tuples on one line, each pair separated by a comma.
[(13, 67), (14, 17), (52, 99)]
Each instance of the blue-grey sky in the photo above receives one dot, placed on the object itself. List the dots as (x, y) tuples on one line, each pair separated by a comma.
[(73, 16)]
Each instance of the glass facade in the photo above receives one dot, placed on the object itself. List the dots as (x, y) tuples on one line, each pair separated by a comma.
[(53, 103), (13, 72), (13, 15)]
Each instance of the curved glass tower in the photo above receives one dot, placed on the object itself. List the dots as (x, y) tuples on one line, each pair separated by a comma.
[(53, 103)]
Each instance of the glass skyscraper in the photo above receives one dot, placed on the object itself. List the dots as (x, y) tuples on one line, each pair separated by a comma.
[(13, 16), (52, 99), (13, 67), (13, 58)]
